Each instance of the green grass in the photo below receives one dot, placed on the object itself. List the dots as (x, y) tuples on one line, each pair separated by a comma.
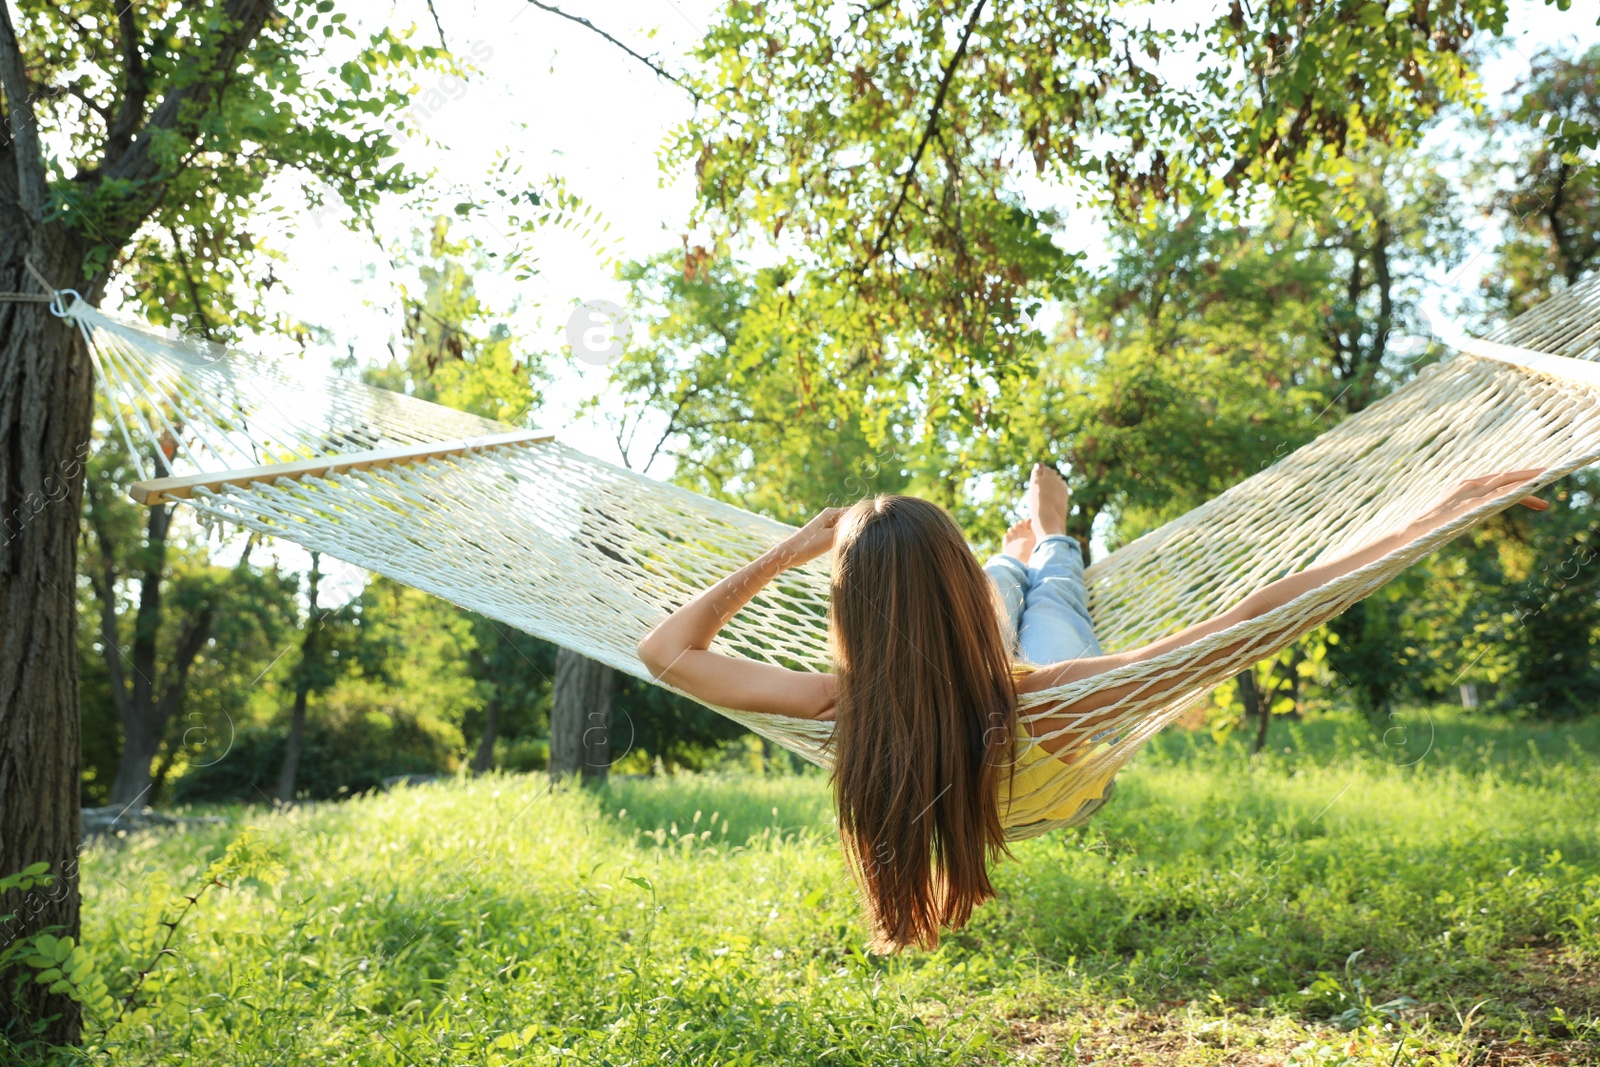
[(1337, 900)]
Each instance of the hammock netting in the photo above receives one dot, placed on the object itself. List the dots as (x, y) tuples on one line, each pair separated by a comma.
[(590, 556)]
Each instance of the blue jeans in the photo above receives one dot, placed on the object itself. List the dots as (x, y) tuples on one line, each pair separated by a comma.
[(1046, 601)]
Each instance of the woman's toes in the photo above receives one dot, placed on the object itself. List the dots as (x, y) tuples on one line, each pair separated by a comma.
[(1019, 541)]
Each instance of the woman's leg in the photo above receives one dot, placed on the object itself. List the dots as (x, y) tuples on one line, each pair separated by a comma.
[(1010, 576), (1055, 616), (1055, 623), (1055, 613)]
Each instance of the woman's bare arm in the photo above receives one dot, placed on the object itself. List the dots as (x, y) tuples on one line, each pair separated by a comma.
[(677, 651), (1466, 497)]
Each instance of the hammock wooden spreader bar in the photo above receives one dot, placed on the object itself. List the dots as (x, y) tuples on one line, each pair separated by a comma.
[(164, 490), (590, 556)]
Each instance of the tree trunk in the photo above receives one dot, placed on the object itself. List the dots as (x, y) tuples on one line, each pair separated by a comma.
[(291, 750), (484, 759), (1249, 695), (46, 399), (1287, 686), (198, 635), (302, 688), (141, 743), (144, 708), (1263, 721), (580, 718), (141, 731)]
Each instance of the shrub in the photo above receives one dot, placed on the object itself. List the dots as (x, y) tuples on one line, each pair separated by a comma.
[(340, 755), (523, 754)]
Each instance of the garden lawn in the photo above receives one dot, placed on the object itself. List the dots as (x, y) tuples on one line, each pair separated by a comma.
[(1424, 894)]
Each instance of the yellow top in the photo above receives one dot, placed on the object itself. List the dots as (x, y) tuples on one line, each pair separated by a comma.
[(1037, 792)]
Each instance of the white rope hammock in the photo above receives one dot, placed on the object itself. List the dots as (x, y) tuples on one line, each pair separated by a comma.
[(587, 555)]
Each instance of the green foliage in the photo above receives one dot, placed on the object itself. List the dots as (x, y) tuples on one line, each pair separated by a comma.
[(747, 394), (152, 937), (414, 658), (1552, 201), (1540, 603), (883, 140), (459, 352), (516, 672), (62, 965), (709, 919), (1286, 684), (660, 724), (332, 644), (1510, 608), (168, 122), (392, 684), (1194, 360), (1397, 225), (522, 755), (1371, 652), (347, 751), (1203, 352), (43, 957)]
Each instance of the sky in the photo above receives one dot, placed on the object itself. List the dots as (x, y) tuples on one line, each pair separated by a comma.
[(554, 98)]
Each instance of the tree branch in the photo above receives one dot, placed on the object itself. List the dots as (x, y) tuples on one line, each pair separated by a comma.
[(672, 425), (135, 86), (20, 120), (1554, 203), (438, 26), (661, 71), (194, 638), (188, 277), (242, 21), (89, 102), (947, 76)]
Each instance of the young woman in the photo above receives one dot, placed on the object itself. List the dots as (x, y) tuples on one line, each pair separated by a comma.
[(930, 653)]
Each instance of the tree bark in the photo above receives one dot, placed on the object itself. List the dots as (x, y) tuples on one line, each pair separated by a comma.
[(580, 718), (46, 398), (302, 688)]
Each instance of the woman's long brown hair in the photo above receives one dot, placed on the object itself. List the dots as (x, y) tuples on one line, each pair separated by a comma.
[(926, 721)]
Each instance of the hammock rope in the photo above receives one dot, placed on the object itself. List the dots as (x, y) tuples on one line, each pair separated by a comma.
[(590, 556)]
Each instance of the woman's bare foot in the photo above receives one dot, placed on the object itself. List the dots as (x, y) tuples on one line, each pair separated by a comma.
[(1019, 540), (1047, 500)]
